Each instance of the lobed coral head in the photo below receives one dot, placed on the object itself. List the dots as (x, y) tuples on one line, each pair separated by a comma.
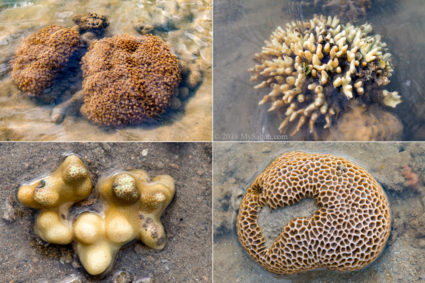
[(315, 69), (41, 56), (128, 80)]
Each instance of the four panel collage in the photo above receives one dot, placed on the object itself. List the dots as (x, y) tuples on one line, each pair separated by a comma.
[(212, 141)]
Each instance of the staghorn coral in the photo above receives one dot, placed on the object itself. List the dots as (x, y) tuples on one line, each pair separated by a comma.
[(317, 68), (132, 209), (128, 80), (54, 195), (41, 56), (347, 232)]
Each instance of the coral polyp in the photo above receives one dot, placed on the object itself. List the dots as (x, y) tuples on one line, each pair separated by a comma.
[(317, 68)]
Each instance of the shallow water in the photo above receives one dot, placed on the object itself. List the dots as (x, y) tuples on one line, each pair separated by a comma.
[(240, 28), (237, 164), (22, 118)]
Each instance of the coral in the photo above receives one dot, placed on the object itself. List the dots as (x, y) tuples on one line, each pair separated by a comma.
[(361, 124), (41, 56), (347, 232), (128, 80), (411, 178), (315, 69), (91, 22), (54, 195), (132, 209), (351, 9)]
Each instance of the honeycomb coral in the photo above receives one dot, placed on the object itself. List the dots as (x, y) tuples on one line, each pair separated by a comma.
[(133, 205), (54, 195), (347, 232), (128, 80), (315, 69), (41, 56)]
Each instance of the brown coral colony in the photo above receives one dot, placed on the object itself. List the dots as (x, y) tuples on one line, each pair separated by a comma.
[(41, 56), (347, 232), (128, 79)]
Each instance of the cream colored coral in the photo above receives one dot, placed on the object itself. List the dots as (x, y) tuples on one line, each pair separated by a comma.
[(54, 195), (347, 232), (314, 68), (133, 205)]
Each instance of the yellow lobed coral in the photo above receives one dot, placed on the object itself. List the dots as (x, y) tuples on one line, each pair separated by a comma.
[(128, 80), (133, 205), (132, 208), (54, 195), (41, 56), (316, 68), (347, 232)]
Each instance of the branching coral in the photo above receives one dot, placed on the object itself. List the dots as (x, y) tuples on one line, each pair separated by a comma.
[(347, 232), (316, 68), (132, 209), (128, 80), (41, 56), (54, 195)]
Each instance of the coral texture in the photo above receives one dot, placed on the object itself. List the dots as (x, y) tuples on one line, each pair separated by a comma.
[(315, 69), (128, 80), (372, 124), (41, 56), (54, 195), (91, 22), (133, 206), (347, 232)]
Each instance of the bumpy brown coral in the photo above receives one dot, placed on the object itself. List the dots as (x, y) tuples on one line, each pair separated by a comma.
[(347, 232), (91, 22), (361, 124), (133, 205), (41, 56), (315, 68), (54, 195), (128, 80)]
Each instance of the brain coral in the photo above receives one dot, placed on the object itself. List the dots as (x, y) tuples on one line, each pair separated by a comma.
[(315, 69), (41, 56), (127, 79), (347, 232)]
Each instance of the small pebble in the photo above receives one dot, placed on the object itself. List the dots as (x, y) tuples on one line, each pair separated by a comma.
[(122, 277)]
